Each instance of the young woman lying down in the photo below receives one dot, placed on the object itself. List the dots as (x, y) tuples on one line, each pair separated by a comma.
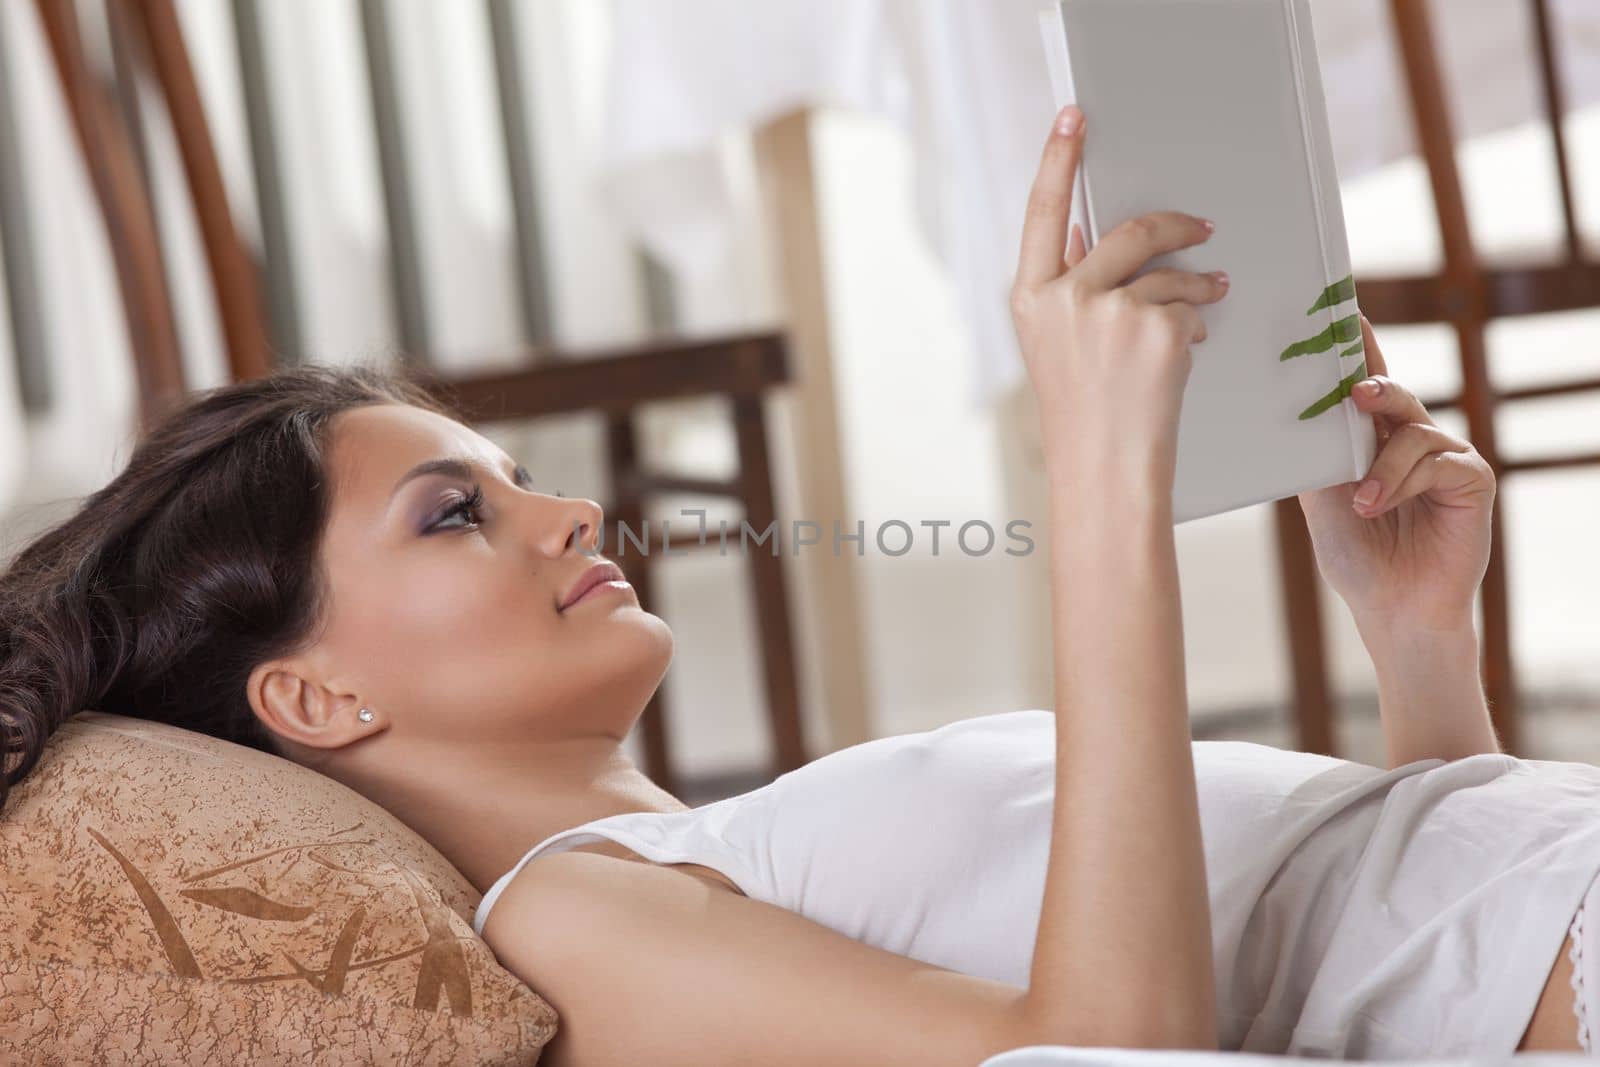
[(326, 565)]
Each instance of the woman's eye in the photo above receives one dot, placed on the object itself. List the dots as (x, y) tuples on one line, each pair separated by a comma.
[(467, 508)]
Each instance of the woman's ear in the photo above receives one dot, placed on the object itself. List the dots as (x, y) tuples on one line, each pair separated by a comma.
[(303, 711)]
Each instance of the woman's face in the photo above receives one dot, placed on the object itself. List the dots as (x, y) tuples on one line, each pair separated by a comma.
[(444, 615)]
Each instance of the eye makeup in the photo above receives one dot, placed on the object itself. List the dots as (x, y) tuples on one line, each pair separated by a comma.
[(471, 504)]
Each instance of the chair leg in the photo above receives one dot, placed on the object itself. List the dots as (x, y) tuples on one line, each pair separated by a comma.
[(1297, 566), (1468, 310), (1478, 404), (767, 584), (1499, 678), (628, 511)]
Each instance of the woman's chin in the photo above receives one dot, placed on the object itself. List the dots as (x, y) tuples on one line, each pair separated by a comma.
[(648, 626), (625, 633), (660, 627)]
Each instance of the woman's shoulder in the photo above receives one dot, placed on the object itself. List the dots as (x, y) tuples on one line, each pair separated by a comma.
[(712, 877)]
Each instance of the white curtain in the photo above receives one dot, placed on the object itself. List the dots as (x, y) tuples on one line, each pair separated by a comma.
[(966, 81)]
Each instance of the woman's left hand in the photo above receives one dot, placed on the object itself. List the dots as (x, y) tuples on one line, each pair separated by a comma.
[(1409, 544)]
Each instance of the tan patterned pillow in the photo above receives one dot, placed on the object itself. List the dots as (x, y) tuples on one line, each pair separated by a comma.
[(166, 897)]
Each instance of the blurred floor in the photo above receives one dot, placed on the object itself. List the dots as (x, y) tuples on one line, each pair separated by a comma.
[(1558, 725), (944, 663)]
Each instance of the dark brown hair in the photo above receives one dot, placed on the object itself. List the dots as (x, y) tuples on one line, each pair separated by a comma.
[(197, 562)]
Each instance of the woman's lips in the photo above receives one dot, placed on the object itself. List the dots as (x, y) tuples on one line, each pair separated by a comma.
[(603, 575), (598, 588)]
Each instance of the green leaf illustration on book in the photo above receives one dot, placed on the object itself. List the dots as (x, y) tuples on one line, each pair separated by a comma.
[(1337, 293), (1339, 332), (1337, 393), (1343, 331)]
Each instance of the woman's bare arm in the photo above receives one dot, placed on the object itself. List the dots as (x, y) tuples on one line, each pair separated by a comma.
[(1430, 692), (1408, 562), (1124, 945), (648, 965)]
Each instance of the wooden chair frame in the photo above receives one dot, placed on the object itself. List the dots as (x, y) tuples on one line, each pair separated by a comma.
[(1467, 294), (617, 383)]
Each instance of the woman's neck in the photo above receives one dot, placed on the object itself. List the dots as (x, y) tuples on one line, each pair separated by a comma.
[(484, 809)]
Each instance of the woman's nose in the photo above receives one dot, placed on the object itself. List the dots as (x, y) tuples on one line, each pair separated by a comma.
[(577, 521)]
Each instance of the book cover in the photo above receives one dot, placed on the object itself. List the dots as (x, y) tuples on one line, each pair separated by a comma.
[(1215, 107)]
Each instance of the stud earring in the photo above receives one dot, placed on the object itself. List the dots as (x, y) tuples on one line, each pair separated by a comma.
[(365, 714)]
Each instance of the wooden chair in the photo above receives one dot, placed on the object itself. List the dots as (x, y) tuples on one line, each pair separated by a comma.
[(1467, 294), (616, 383)]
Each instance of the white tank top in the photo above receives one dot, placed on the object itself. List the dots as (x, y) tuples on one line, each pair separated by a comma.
[(1356, 912)]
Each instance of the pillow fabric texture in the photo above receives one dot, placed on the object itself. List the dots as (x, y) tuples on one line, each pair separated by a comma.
[(167, 897)]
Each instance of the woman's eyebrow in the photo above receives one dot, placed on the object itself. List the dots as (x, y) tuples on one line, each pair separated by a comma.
[(454, 466)]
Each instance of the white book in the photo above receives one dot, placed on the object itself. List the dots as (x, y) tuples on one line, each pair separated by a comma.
[(1215, 108)]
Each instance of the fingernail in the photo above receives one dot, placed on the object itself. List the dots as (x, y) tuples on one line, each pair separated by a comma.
[(1221, 276), (1210, 226), (1068, 120), (1367, 494), (1370, 386)]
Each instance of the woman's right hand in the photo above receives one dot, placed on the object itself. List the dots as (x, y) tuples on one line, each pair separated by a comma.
[(1108, 360)]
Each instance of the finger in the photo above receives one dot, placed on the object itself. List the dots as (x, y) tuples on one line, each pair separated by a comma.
[(1131, 243), (1369, 345), (1075, 247), (1408, 445), (1383, 396), (1044, 228), (1376, 365), (1186, 320), (1166, 285), (1452, 479)]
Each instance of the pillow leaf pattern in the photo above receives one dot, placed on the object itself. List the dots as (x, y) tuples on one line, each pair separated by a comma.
[(241, 900), (147, 923), (443, 972)]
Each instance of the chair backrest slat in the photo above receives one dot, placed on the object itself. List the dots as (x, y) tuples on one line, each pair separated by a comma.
[(1550, 85), (255, 84), (18, 251), (512, 90), (125, 204), (405, 252), (235, 280)]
